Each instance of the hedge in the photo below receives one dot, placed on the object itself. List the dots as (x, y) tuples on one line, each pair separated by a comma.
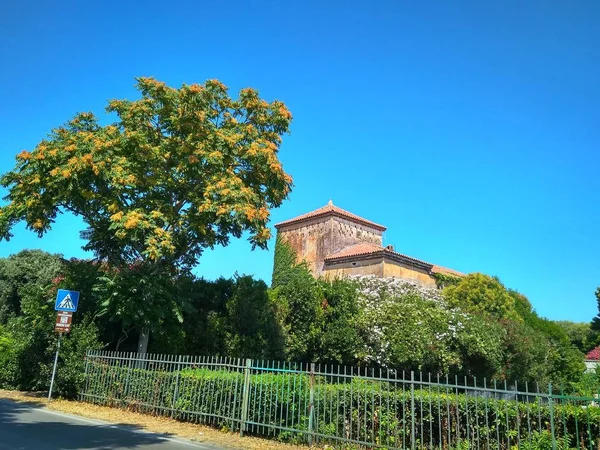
[(357, 410)]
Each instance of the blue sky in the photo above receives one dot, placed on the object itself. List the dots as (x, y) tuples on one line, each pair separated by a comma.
[(469, 129)]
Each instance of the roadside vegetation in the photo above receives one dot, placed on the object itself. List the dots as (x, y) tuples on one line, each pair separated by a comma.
[(474, 326)]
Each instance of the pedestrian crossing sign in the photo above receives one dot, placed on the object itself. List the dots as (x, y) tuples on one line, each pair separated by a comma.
[(66, 300)]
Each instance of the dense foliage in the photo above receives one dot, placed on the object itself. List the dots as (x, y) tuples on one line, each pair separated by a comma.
[(362, 321), (475, 326), (581, 335)]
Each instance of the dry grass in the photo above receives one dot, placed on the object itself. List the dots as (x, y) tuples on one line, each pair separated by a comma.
[(184, 430)]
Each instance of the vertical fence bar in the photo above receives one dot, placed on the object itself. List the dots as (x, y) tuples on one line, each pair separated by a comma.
[(404, 406), (311, 405), (303, 393), (348, 433), (253, 399), (245, 396), (439, 412), (562, 402), (337, 403), (176, 391), (281, 375), (237, 364), (496, 407), (421, 390), (528, 414), (551, 407), (487, 419), (364, 390), (466, 392), (413, 442), (457, 405), (449, 418), (85, 376), (517, 416), (373, 409), (264, 418), (477, 436), (506, 413), (430, 410)]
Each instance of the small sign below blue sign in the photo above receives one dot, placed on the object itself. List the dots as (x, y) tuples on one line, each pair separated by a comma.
[(66, 300)]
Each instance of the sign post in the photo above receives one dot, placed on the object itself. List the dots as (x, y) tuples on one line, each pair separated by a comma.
[(54, 368), (65, 305)]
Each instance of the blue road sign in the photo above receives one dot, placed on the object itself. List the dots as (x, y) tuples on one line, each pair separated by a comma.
[(66, 300)]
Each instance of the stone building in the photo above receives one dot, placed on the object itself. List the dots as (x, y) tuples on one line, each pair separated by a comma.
[(337, 243)]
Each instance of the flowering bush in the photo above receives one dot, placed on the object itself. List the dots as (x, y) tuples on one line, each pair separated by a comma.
[(410, 326)]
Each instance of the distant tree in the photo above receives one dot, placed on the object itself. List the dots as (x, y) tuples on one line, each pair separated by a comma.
[(25, 271), (482, 294), (181, 170), (581, 335), (596, 320), (564, 361)]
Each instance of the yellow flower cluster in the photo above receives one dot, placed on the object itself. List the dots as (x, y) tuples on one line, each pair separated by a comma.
[(117, 216), (24, 155), (133, 219)]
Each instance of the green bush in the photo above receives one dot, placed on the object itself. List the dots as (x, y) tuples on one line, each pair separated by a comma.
[(8, 363), (27, 356)]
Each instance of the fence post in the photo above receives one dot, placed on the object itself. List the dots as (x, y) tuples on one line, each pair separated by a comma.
[(176, 392), (246, 396), (128, 378), (85, 376), (311, 405), (412, 410), (551, 407)]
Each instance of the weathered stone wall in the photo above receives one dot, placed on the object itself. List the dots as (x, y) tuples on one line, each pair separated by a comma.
[(314, 240), (381, 268), (405, 272), (310, 241), (372, 266), (346, 233)]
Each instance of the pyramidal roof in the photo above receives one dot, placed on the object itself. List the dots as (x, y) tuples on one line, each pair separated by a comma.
[(331, 209)]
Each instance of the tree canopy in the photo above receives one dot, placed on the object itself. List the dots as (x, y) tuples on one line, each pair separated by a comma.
[(482, 294), (179, 171), (26, 271), (596, 320)]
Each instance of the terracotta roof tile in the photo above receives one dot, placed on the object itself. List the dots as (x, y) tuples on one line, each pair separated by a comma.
[(593, 355), (446, 271), (365, 248), (334, 210)]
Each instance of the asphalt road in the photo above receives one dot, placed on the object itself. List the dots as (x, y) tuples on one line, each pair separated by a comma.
[(24, 427)]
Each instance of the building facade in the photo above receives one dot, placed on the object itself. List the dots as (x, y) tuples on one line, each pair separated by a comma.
[(337, 243)]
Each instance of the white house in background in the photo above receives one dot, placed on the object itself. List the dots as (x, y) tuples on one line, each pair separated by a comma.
[(592, 360)]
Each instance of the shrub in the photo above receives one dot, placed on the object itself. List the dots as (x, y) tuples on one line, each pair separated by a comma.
[(8, 361)]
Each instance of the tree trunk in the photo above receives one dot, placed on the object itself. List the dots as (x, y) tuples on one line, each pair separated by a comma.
[(143, 340)]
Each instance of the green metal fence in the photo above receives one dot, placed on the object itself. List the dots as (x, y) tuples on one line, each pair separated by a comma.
[(354, 407)]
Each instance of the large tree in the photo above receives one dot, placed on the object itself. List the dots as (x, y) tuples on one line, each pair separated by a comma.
[(181, 170)]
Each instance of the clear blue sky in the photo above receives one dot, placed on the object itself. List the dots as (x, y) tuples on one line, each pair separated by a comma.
[(469, 129)]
